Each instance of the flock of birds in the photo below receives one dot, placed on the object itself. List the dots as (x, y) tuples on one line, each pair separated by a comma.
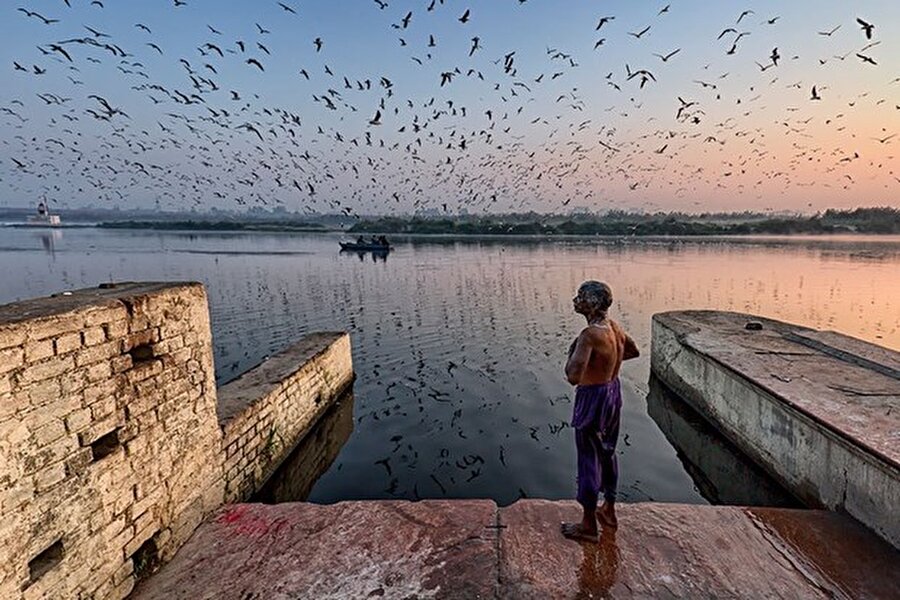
[(187, 133)]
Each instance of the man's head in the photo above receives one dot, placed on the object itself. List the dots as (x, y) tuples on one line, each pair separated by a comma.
[(593, 299)]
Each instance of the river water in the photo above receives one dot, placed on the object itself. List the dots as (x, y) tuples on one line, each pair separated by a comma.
[(459, 346)]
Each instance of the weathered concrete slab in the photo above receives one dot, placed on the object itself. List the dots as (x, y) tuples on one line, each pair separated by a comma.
[(819, 410), (455, 549), (390, 549), (683, 551)]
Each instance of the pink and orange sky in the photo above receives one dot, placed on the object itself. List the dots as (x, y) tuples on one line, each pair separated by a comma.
[(231, 105)]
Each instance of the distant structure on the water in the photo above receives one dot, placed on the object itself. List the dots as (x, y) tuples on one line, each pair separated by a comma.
[(43, 218)]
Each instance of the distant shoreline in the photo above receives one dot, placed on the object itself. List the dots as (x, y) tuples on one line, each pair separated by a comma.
[(869, 221), (215, 226)]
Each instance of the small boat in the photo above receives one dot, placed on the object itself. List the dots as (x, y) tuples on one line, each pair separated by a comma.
[(354, 247), (43, 218)]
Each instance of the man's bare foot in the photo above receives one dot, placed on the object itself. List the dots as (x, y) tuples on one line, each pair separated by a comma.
[(606, 514), (578, 532)]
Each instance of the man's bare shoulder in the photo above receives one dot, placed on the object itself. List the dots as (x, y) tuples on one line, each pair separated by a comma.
[(618, 329), (598, 335)]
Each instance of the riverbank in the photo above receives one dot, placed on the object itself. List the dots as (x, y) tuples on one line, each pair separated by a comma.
[(876, 221)]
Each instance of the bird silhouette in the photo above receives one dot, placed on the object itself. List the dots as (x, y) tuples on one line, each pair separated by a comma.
[(866, 27)]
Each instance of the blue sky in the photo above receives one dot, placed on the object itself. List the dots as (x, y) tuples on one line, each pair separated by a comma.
[(755, 141)]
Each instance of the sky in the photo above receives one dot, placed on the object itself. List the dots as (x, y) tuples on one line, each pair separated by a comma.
[(233, 104)]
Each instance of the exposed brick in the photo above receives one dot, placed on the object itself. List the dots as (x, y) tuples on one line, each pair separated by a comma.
[(98, 353), (79, 420), (116, 329), (42, 393), (47, 370), (78, 462), (36, 459), (126, 571), (121, 364), (52, 327), (100, 390), (139, 538), (99, 371), (38, 350), (49, 433), (49, 477), (145, 370), (11, 335), (106, 313), (103, 408), (140, 338), (170, 474), (100, 428), (67, 342), (73, 382), (10, 359)]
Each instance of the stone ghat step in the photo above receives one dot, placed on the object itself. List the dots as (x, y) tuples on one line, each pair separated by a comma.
[(473, 549)]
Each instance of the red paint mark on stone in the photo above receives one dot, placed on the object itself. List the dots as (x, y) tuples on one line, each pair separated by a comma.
[(232, 515), (243, 522)]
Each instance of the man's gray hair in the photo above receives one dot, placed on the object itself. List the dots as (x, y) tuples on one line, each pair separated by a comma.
[(597, 294)]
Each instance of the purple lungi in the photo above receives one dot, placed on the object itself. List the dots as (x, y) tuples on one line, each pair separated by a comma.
[(595, 419)]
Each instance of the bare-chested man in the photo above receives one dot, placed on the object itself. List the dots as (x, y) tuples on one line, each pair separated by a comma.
[(593, 366)]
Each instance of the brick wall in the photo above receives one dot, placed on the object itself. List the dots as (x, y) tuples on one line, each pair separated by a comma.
[(266, 411), (110, 450)]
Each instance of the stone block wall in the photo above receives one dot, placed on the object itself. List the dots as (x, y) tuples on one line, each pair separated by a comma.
[(266, 411), (110, 449)]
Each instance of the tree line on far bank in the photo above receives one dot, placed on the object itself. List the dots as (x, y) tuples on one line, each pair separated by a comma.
[(881, 220)]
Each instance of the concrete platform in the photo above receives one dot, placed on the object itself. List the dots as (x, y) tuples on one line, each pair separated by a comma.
[(819, 411), (471, 549)]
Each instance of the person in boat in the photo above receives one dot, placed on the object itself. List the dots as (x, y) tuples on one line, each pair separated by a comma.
[(374, 240), (593, 367), (361, 241), (383, 241)]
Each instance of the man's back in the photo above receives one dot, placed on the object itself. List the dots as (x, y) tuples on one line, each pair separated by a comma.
[(602, 347)]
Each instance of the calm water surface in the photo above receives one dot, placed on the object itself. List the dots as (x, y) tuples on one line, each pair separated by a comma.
[(459, 346)]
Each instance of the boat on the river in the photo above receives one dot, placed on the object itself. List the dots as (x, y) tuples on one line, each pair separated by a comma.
[(354, 247), (43, 218)]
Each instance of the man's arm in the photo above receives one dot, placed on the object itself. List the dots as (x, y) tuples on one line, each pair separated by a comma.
[(578, 358), (631, 349)]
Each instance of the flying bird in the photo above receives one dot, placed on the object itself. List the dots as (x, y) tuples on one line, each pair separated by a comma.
[(669, 55), (603, 21), (744, 14), (640, 33), (866, 27), (465, 17)]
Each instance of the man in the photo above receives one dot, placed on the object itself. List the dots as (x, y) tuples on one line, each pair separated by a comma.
[(593, 366)]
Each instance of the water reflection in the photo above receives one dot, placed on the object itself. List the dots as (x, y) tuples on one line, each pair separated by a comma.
[(458, 347), (362, 254), (314, 455), (722, 474), (49, 240), (599, 566)]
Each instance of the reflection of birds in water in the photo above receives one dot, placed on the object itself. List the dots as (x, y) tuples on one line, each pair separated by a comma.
[(358, 141)]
